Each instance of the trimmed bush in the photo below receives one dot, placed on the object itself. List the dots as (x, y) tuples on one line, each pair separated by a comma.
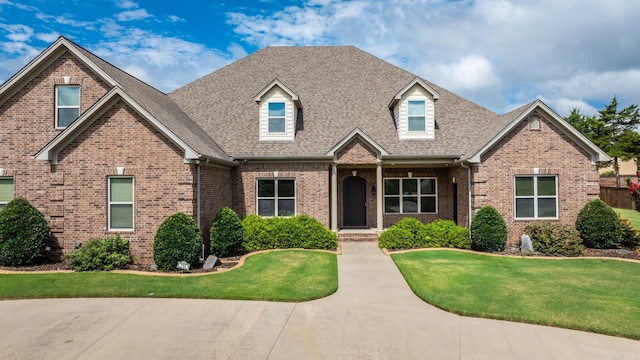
[(226, 233), (599, 226), (444, 233), (414, 226), (101, 255), (554, 239), (178, 239), (488, 230), (630, 236), (23, 234), (397, 238), (302, 231)]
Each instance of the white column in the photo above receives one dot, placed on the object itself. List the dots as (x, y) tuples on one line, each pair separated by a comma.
[(334, 197), (379, 199)]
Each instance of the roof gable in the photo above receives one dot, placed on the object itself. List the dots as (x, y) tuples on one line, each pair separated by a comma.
[(357, 134), (294, 97), (416, 81)]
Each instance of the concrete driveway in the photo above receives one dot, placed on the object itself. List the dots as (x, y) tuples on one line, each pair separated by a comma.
[(374, 315)]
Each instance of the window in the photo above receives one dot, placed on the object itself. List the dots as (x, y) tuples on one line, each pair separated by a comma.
[(67, 105), (6, 191), (410, 196), (120, 203), (276, 197), (276, 117), (416, 116), (536, 197)]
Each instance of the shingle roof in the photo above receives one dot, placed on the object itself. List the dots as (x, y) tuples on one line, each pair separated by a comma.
[(342, 88), (161, 107)]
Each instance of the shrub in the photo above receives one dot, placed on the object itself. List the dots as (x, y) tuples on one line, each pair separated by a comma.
[(488, 230), (599, 225), (23, 234), (630, 236), (300, 231), (554, 239), (397, 238), (178, 239), (444, 233), (101, 255), (226, 233), (414, 226)]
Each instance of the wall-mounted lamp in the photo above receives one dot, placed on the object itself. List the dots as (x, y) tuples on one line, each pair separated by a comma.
[(373, 190), (354, 172)]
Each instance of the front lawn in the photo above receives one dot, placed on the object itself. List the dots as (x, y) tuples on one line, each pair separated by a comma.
[(600, 296), (631, 215), (288, 275)]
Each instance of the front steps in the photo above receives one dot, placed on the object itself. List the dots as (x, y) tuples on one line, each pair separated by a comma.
[(357, 235)]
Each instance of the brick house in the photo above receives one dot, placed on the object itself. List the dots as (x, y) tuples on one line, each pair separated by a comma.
[(332, 132)]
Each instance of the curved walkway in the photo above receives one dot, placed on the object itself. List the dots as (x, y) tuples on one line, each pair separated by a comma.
[(373, 315)]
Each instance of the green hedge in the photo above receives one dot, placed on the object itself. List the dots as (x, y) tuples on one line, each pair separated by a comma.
[(410, 233), (599, 225), (23, 234), (554, 239), (101, 255), (178, 239), (488, 230), (300, 232), (226, 234)]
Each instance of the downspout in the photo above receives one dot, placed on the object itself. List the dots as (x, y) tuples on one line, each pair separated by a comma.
[(198, 203), (468, 192)]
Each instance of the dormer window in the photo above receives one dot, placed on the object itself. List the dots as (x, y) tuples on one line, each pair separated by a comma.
[(276, 117), (67, 105), (416, 116)]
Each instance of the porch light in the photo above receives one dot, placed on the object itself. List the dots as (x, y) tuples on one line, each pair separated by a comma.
[(373, 190)]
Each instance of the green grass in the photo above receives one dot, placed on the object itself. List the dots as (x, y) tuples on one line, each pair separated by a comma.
[(631, 215), (601, 296), (289, 275)]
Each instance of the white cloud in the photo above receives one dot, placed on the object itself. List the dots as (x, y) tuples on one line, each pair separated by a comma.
[(66, 19), (18, 32), (47, 37), (130, 15), (563, 106), (126, 4), (175, 18), (471, 72)]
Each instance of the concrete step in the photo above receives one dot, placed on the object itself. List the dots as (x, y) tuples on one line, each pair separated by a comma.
[(357, 236)]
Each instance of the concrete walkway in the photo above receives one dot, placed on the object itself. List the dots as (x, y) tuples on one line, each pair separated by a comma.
[(374, 315)]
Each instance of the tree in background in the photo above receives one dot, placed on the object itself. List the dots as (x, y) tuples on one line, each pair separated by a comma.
[(613, 131)]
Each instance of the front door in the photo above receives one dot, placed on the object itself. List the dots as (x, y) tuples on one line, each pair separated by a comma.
[(354, 202)]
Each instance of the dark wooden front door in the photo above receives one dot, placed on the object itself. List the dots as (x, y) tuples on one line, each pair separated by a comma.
[(354, 202)]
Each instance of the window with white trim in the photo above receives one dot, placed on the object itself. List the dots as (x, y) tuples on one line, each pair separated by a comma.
[(276, 197), (276, 122), (67, 105), (6, 191), (120, 203), (536, 197), (417, 116), (410, 196)]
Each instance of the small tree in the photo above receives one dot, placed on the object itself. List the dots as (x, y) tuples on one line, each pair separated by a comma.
[(599, 226), (23, 234), (226, 233), (178, 239), (488, 230)]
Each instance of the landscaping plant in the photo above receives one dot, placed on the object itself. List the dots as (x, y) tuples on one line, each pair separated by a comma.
[(554, 239), (101, 255), (599, 225), (23, 234), (488, 230), (178, 239), (226, 233), (297, 232), (444, 233), (397, 238)]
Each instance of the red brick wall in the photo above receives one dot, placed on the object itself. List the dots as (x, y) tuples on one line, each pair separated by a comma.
[(215, 193), (312, 187), (517, 154)]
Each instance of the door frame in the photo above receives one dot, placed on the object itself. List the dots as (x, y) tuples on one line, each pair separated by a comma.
[(354, 186)]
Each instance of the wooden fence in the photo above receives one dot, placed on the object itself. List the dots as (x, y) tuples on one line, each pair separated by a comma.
[(616, 197)]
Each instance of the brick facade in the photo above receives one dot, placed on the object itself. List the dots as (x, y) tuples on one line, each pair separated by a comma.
[(520, 153)]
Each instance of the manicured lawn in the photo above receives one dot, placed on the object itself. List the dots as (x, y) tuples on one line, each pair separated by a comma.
[(631, 215), (601, 296), (289, 275)]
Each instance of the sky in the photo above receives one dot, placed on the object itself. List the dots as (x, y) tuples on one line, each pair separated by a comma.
[(500, 54)]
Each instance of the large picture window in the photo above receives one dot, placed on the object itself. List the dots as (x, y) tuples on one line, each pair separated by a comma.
[(276, 117), (120, 203), (536, 197), (67, 105), (276, 197), (6, 191), (410, 196)]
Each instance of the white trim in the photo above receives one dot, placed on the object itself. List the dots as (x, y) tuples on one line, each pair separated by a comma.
[(418, 195), (57, 107), (352, 135), (276, 196), (535, 197), (4, 202), (398, 96), (597, 155), (294, 97), (132, 203)]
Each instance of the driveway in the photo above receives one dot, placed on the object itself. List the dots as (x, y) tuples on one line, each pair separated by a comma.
[(373, 315)]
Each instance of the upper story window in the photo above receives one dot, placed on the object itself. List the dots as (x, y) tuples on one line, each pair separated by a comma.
[(276, 117), (417, 116), (536, 197), (67, 105), (6, 191)]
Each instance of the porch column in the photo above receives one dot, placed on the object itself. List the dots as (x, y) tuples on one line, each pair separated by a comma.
[(379, 193), (334, 197)]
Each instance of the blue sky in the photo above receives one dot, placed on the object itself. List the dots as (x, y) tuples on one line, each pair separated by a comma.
[(498, 53)]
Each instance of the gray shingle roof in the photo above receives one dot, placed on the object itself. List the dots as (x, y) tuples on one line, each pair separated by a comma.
[(162, 108), (342, 88)]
